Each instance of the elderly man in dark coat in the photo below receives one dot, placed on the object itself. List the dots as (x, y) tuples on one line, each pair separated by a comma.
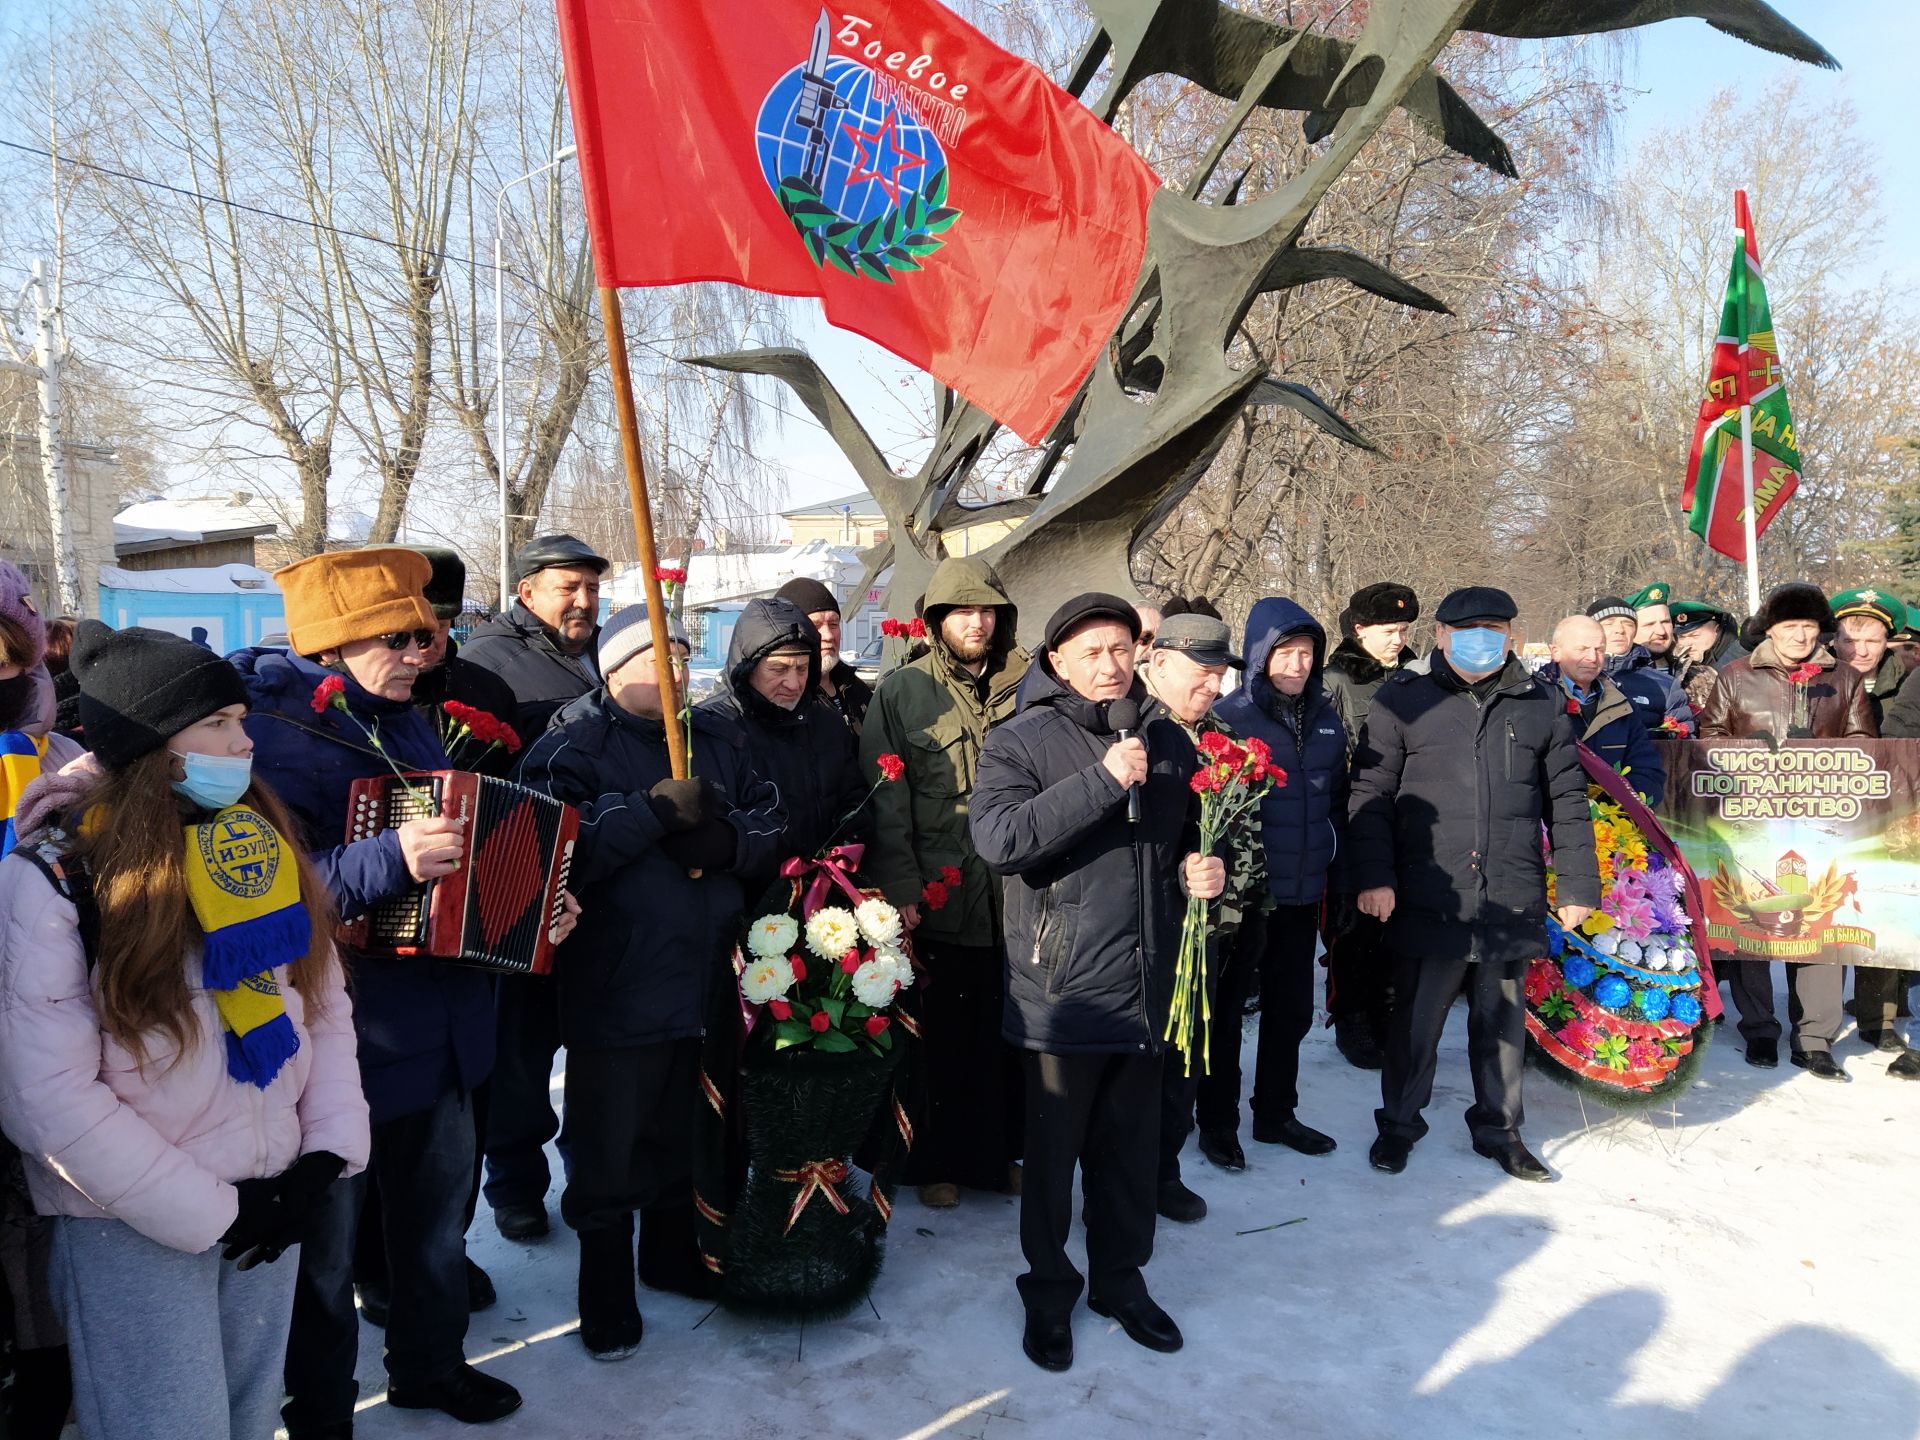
[(1095, 834), (1454, 776), (659, 864), (542, 646)]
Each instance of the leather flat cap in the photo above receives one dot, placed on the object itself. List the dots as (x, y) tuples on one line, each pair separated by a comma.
[(544, 552)]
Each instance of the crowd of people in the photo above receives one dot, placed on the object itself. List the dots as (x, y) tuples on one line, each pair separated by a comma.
[(234, 1140)]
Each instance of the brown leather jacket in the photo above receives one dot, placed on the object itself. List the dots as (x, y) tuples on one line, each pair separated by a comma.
[(1754, 695)]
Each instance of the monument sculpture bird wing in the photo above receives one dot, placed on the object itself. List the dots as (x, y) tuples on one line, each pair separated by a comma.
[(1753, 21)]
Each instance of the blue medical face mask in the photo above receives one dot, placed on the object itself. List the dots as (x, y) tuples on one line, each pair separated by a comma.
[(1477, 649), (213, 782)]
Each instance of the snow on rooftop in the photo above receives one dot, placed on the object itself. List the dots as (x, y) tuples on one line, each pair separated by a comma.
[(211, 580)]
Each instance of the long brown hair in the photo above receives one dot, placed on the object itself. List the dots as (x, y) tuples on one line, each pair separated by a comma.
[(134, 849)]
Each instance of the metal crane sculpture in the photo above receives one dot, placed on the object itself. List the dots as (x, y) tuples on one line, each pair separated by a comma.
[(1159, 402)]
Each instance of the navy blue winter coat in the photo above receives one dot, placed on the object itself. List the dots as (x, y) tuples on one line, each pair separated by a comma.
[(1655, 694), (1093, 902), (1302, 821), (653, 942), (424, 1027), (1611, 727)]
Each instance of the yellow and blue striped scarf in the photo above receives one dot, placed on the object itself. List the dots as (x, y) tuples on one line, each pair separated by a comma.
[(20, 757), (245, 889)]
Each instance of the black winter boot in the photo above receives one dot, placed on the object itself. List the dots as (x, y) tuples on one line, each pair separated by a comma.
[(610, 1324)]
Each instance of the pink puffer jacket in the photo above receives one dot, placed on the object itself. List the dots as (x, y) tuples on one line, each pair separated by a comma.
[(155, 1145)]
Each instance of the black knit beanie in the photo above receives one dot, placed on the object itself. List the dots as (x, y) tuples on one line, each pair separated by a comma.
[(810, 595), (138, 688)]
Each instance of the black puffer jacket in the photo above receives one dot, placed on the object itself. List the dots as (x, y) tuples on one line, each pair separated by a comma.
[(808, 753), (1449, 793), (1093, 903), (652, 941), (520, 649)]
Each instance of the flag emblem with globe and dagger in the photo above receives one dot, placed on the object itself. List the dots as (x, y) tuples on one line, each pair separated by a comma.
[(860, 176)]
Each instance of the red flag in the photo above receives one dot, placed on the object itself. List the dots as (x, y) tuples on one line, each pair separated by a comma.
[(940, 196)]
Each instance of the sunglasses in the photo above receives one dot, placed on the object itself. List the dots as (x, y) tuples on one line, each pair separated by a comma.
[(419, 639)]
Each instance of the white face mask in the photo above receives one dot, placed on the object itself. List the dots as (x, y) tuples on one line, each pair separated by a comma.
[(213, 782)]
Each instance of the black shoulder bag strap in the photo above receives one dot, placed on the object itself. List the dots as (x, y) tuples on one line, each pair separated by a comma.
[(71, 880)]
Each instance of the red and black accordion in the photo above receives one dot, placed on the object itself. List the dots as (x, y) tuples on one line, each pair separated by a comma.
[(499, 909)]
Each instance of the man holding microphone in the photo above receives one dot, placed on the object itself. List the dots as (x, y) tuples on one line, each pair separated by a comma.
[(1083, 805)]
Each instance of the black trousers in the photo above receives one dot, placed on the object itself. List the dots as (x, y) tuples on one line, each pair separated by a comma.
[(970, 1130), (630, 1115), (1358, 966), (425, 1165), (520, 1117), (1813, 1001), (1229, 961), (1096, 1111), (1424, 991), (1877, 994)]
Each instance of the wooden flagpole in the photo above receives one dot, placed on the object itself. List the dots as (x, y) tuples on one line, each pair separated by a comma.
[(643, 527)]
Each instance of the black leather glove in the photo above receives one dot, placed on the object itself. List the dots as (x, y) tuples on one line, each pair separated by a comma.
[(711, 845), (258, 1220), (680, 804)]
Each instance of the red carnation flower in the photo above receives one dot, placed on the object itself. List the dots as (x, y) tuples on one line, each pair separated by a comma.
[(916, 628), (933, 895), (821, 1022), (850, 961), (330, 693), (876, 1024), (780, 1009), (799, 968), (892, 629), (1573, 706), (892, 767), (1804, 672), (669, 575), (1202, 782), (950, 876)]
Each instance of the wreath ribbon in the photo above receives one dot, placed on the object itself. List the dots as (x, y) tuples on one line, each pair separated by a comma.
[(816, 1177), (830, 869)]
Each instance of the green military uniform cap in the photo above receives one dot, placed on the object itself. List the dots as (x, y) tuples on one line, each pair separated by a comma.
[(1689, 613), (1658, 593), (1884, 607)]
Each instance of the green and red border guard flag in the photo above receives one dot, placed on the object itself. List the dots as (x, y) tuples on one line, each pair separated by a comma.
[(1745, 371), (941, 196)]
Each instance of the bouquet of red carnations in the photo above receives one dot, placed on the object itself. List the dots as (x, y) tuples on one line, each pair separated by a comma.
[(1230, 781)]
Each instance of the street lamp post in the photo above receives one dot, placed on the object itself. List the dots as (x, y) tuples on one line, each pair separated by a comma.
[(500, 358)]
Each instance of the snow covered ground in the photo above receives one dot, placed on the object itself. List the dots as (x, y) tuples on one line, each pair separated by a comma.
[(1744, 1268)]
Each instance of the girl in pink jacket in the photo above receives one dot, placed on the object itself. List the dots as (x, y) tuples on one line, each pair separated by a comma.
[(176, 1047)]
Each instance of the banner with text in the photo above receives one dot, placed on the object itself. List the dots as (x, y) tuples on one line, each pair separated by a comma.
[(1808, 852)]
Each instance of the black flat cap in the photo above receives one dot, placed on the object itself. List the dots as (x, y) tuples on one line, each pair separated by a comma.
[(1201, 638), (1611, 607), (1093, 605), (544, 552), (446, 588), (1476, 602)]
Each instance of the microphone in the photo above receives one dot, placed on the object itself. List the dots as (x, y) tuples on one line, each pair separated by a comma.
[(1123, 715)]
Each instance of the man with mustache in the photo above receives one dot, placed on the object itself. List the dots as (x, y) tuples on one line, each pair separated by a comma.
[(543, 647)]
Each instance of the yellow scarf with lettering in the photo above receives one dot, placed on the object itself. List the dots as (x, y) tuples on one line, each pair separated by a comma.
[(244, 886)]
